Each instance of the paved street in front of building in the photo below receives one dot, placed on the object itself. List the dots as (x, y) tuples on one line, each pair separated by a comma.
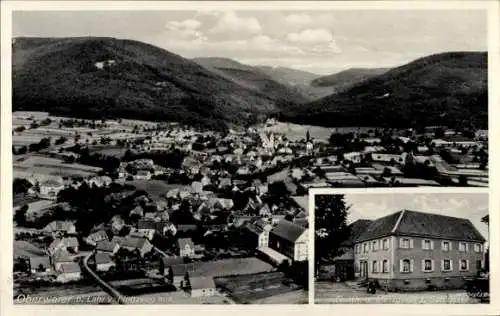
[(342, 293)]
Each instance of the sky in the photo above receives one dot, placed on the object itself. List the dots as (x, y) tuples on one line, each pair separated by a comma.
[(321, 42), (372, 206)]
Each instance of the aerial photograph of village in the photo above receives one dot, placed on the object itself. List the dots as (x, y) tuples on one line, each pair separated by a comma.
[(401, 248), (165, 157)]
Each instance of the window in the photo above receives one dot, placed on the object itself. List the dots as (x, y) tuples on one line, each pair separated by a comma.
[(479, 264), (462, 246), (406, 266), (365, 247), (374, 267), (464, 265), (426, 244), (405, 243), (447, 265), (385, 244), (478, 248), (446, 246), (385, 266), (375, 246), (427, 265)]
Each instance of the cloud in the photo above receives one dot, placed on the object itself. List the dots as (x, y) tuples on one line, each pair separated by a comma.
[(311, 36), (231, 23), (184, 29), (183, 25), (298, 19)]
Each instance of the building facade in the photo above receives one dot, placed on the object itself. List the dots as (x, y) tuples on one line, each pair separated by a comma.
[(411, 250)]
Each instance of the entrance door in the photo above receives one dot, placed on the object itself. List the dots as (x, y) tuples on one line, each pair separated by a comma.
[(364, 269)]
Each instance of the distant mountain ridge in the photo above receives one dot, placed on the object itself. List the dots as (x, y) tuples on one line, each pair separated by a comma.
[(92, 77), (105, 77), (441, 89), (345, 79), (251, 78)]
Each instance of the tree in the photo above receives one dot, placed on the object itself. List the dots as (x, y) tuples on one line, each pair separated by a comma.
[(21, 186), (331, 226), (439, 133), (20, 215), (170, 276), (462, 180)]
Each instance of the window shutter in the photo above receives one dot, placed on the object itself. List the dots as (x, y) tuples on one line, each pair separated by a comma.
[(442, 245), (400, 242), (451, 265), (401, 265), (423, 265), (411, 243), (451, 246), (468, 268), (423, 243), (466, 247), (411, 265), (442, 265), (432, 244), (432, 264)]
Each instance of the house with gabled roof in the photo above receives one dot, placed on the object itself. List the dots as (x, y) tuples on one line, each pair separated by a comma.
[(290, 240), (96, 237), (140, 244), (105, 246), (417, 250), (103, 261), (40, 264), (69, 272), (202, 286), (60, 227), (186, 247)]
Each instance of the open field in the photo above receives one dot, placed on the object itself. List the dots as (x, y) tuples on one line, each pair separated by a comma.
[(107, 150), (234, 266), (25, 249), (52, 167), (296, 132), (26, 140), (250, 288), (293, 297)]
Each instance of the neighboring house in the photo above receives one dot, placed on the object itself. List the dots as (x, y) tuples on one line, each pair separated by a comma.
[(40, 264), (342, 267), (415, 250), (67, 244), (202, 286), (103, 261), (142, 175), (50, 188), (96, 237), (140, 244), (258, 236), (69, 272), (107, 247), (290, 240), (60, 227), (186, 247), (59, 259), (265, 211)]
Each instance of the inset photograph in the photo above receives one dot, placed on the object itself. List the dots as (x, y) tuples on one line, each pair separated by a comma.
[(397, 248)]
